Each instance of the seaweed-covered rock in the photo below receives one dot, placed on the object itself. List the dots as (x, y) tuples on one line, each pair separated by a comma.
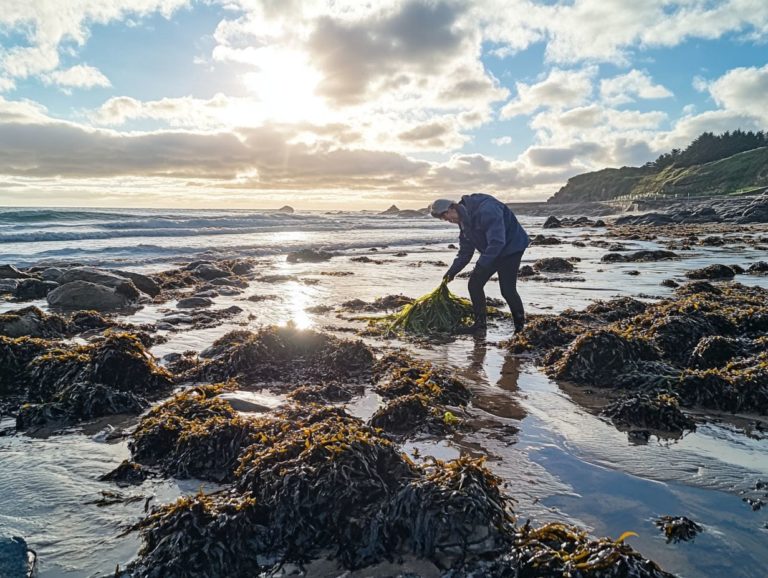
[(222, 535), (659, 412), (408, 414), (335, 474), (283, 354), (326, 393), (560, 550), (15, 356), (597, 357), (714, 351), (741, 385), (678, 529), (544, 240), (553, 265), (639, 256), (31, 322), (111, 376), (156, 439), (677, 334), (128, 473), (452, 512), (552, 222), (716, 271), (616, 309), (545, 332), (407, 377)]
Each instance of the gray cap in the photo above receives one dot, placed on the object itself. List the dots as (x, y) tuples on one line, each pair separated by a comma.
[(440, 206)]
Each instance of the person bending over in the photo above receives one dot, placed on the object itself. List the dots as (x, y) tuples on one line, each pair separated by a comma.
[(490, 227)]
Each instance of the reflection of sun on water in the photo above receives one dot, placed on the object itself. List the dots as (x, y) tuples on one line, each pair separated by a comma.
[(297, 303)]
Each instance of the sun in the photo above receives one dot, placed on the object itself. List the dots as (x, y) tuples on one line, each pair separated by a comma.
[(284, 85)]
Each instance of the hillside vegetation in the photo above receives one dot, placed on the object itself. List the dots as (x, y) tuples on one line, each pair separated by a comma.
[(708, 166)]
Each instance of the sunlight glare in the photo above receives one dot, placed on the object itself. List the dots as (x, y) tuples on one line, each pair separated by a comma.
[(285, 85)]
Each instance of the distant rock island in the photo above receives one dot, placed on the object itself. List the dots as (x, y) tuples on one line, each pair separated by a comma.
[(285, 209), (733, 162), (408, 213)]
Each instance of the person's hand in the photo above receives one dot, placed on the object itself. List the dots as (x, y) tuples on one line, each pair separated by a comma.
[(447, 277)]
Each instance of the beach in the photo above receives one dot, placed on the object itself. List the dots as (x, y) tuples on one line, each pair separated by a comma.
[(542, 436)]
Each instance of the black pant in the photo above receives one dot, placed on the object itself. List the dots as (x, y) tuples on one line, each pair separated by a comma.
[(507, 268)]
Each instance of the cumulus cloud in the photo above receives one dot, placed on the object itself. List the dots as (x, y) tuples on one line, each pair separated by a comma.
[(743, 90), (46, 24), (627, 87), (615, 30), (80, 76), (560, 89)]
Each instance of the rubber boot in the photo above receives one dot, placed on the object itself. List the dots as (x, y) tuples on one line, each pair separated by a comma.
[(519, 321), (479, 327)]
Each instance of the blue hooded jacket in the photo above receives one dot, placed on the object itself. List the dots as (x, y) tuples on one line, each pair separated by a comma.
[(487, 225)]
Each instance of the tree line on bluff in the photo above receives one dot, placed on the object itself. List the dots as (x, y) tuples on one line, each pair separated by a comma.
[(709, 147)]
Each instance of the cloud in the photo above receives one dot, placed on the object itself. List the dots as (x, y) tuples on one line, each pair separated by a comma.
[(615, 30), (46, 24), (560, 89), (743, 90), (627, 87), (80, 76), (501, 141)]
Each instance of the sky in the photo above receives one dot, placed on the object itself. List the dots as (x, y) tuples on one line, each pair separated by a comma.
[(354, 104)]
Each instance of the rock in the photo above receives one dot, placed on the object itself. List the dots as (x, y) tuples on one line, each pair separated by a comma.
[(242, 267), (393, 210), (543, 240), (11, 272), (553, 265), (552, 222), (193, 302), (249, 402), (639, 256), (670, 283), (229, 282), (308, 256), (599, 223), (210, 293), (756, 211), (8, 285), (91, 275), (651, 219), (678, 529), (410, 214), (526, 271), (760, 267), (51, 274), (33, 289), (31, 322), (143, 283), (209, 271), (16, 559), (286, 209), (86, 295), (716, 271)]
